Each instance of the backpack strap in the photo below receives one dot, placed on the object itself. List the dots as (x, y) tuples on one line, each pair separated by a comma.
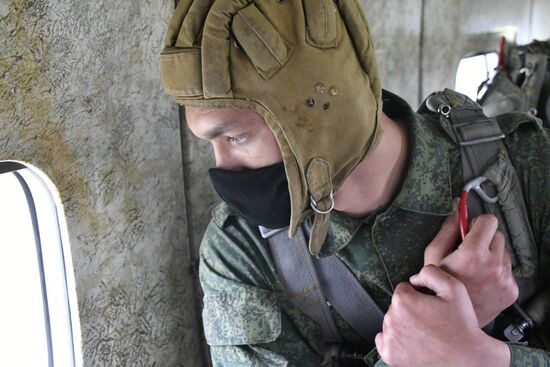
[(479, 137), (301, 284), (483, 153), (311, 284)]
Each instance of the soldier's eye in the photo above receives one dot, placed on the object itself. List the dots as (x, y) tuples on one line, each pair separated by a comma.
[(238, 139)]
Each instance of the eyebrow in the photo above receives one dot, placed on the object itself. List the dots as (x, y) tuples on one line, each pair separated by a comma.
[(219, 130)]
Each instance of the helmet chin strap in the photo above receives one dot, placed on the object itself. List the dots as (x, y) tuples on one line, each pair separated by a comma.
[(321, 197)]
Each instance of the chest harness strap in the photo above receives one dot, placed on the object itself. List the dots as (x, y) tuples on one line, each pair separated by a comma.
[(312, 284), (484, 154)]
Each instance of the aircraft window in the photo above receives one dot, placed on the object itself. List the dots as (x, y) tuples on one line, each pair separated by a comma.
[(38, 312), (473, 71)]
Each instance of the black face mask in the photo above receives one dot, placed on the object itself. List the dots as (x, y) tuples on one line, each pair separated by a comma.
[(260, 196)]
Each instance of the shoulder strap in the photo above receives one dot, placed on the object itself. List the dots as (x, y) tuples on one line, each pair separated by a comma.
[(295, 268), (311, 282), (483, 153)]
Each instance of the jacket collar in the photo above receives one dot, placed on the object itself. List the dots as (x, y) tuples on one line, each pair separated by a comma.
[(426, 188)]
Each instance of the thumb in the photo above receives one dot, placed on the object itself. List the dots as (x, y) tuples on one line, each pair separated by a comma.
[(436, 280), (444, 242)]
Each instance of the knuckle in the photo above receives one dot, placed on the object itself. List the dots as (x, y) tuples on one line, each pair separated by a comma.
[(513, 291), (402, 289), (494, 271), (430, 251), (509, 291), (488, 219), (399, 298), (387, 325), (428, 269)]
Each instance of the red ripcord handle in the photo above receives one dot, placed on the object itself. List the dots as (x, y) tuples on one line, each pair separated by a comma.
[(501, 53), (463, 214)]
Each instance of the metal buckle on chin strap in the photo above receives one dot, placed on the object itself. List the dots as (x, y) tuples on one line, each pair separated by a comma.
[(315, 205)]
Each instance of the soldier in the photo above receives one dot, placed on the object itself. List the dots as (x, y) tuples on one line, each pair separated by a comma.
[(306, 140)]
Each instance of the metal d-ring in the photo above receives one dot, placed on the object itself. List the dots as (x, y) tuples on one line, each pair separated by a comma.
[(475, 185), (314, 204)]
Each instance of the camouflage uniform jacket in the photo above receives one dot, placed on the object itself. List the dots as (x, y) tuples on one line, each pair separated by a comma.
[(247, 320)]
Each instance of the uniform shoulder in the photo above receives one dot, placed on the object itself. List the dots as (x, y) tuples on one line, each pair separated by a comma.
[(221, 213), (510, 122), (526, 138), (233, 249), (240, 304)]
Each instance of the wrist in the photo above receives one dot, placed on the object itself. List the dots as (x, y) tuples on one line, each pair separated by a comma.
[(491, 352)]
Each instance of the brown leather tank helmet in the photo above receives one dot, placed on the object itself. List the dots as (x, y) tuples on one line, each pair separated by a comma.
[(307, 67)]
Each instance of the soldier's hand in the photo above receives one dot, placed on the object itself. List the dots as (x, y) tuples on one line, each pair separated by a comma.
[(442, 329), (481, 263)]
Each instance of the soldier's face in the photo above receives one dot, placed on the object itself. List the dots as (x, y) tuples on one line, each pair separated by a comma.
[(240, 137)]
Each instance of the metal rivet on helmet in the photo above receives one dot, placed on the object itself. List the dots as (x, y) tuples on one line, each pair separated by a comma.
[(320, 88)]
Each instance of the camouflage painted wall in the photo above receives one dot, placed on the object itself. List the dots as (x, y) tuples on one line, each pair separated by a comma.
[(80, 98)]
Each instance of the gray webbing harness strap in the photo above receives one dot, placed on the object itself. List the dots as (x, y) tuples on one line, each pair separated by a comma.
[(295, 268), (483, 153), (479, 137), (310, 282)]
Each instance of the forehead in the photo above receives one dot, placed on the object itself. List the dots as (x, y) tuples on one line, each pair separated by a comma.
[(196, 113), (202, 120)]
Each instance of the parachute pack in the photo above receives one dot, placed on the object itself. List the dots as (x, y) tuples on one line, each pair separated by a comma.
[(522, 82)]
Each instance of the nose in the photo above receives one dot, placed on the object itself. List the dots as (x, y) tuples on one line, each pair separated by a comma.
[(225, 159)]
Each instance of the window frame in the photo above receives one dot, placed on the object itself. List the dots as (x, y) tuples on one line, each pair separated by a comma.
[(54, 264)]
